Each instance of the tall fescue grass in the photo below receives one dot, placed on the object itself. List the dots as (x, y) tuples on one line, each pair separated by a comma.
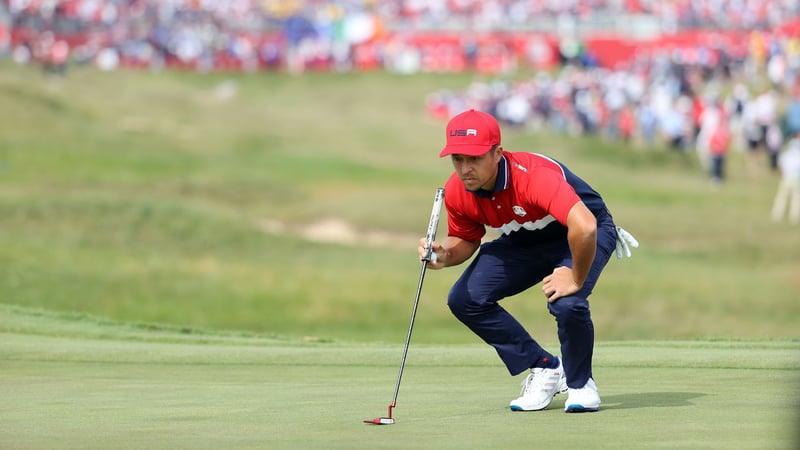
[(184, 199)]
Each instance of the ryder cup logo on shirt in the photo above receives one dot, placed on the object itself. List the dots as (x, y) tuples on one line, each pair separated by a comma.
[(519, 211)]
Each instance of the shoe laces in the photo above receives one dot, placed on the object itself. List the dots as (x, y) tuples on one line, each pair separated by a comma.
[(532, 382)]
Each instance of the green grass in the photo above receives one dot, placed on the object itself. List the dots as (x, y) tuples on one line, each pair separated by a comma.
[(149, 198), (76, 381), (158, 290)]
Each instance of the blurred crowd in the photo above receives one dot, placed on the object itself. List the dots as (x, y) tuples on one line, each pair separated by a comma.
[(708, 105), (306, 34), (413, 14)]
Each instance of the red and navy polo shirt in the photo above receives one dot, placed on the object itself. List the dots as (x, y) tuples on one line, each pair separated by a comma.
[(530, 201)]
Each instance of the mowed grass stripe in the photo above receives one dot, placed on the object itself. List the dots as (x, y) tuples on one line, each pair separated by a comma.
[(31, 334), (678, 354)]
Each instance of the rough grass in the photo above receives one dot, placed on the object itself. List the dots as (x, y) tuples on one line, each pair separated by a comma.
[(144, 197)]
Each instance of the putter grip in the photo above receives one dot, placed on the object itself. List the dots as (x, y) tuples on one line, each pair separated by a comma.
[(433, 224)]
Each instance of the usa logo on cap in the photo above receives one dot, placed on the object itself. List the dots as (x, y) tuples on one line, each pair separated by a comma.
[(467, 132), (471, 133)]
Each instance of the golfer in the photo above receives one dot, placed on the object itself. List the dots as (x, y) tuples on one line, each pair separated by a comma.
[(553, 228)]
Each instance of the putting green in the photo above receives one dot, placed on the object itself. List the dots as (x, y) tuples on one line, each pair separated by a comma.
[(106, 386)]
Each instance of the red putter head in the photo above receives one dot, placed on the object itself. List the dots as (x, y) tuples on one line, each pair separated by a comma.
[(383, 420), (380, 421)]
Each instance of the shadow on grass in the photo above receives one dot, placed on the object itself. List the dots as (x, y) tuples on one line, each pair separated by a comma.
[(649, 400)]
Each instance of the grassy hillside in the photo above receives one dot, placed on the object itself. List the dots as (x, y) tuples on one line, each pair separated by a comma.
[(186, 199)]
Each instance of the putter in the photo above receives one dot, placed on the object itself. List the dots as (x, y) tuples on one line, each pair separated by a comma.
[(430, 236)]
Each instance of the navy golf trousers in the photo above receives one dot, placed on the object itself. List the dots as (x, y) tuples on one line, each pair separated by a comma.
[(503, 268)]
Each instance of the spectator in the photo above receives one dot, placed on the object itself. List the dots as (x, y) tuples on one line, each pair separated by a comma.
[(788, 193), (626, 123), (648, 122), (773, 141), (793, 115), (765, 110), (710, 119), (57, 58), (752, 134), (718, 147), (675, 124)]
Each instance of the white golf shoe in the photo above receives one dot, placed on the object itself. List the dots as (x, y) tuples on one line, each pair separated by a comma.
[(539, 388), (585, 399)]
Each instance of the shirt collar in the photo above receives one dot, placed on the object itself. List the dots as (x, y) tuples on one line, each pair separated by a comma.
[(502, 180)]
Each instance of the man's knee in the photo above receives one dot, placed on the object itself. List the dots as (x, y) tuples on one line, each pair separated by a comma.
[(463, 303), (567, 309), (458, 302)]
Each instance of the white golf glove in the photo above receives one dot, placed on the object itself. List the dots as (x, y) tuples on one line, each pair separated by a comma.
[(625, 241)]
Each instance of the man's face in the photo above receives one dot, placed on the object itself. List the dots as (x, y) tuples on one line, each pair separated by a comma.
[(478, 172)]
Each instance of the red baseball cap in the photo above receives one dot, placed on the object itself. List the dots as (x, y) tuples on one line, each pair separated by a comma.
[(471, 133)]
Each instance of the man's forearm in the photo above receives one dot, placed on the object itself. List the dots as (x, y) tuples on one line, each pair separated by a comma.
[(458, 250), (582, 238), (583, 245)]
